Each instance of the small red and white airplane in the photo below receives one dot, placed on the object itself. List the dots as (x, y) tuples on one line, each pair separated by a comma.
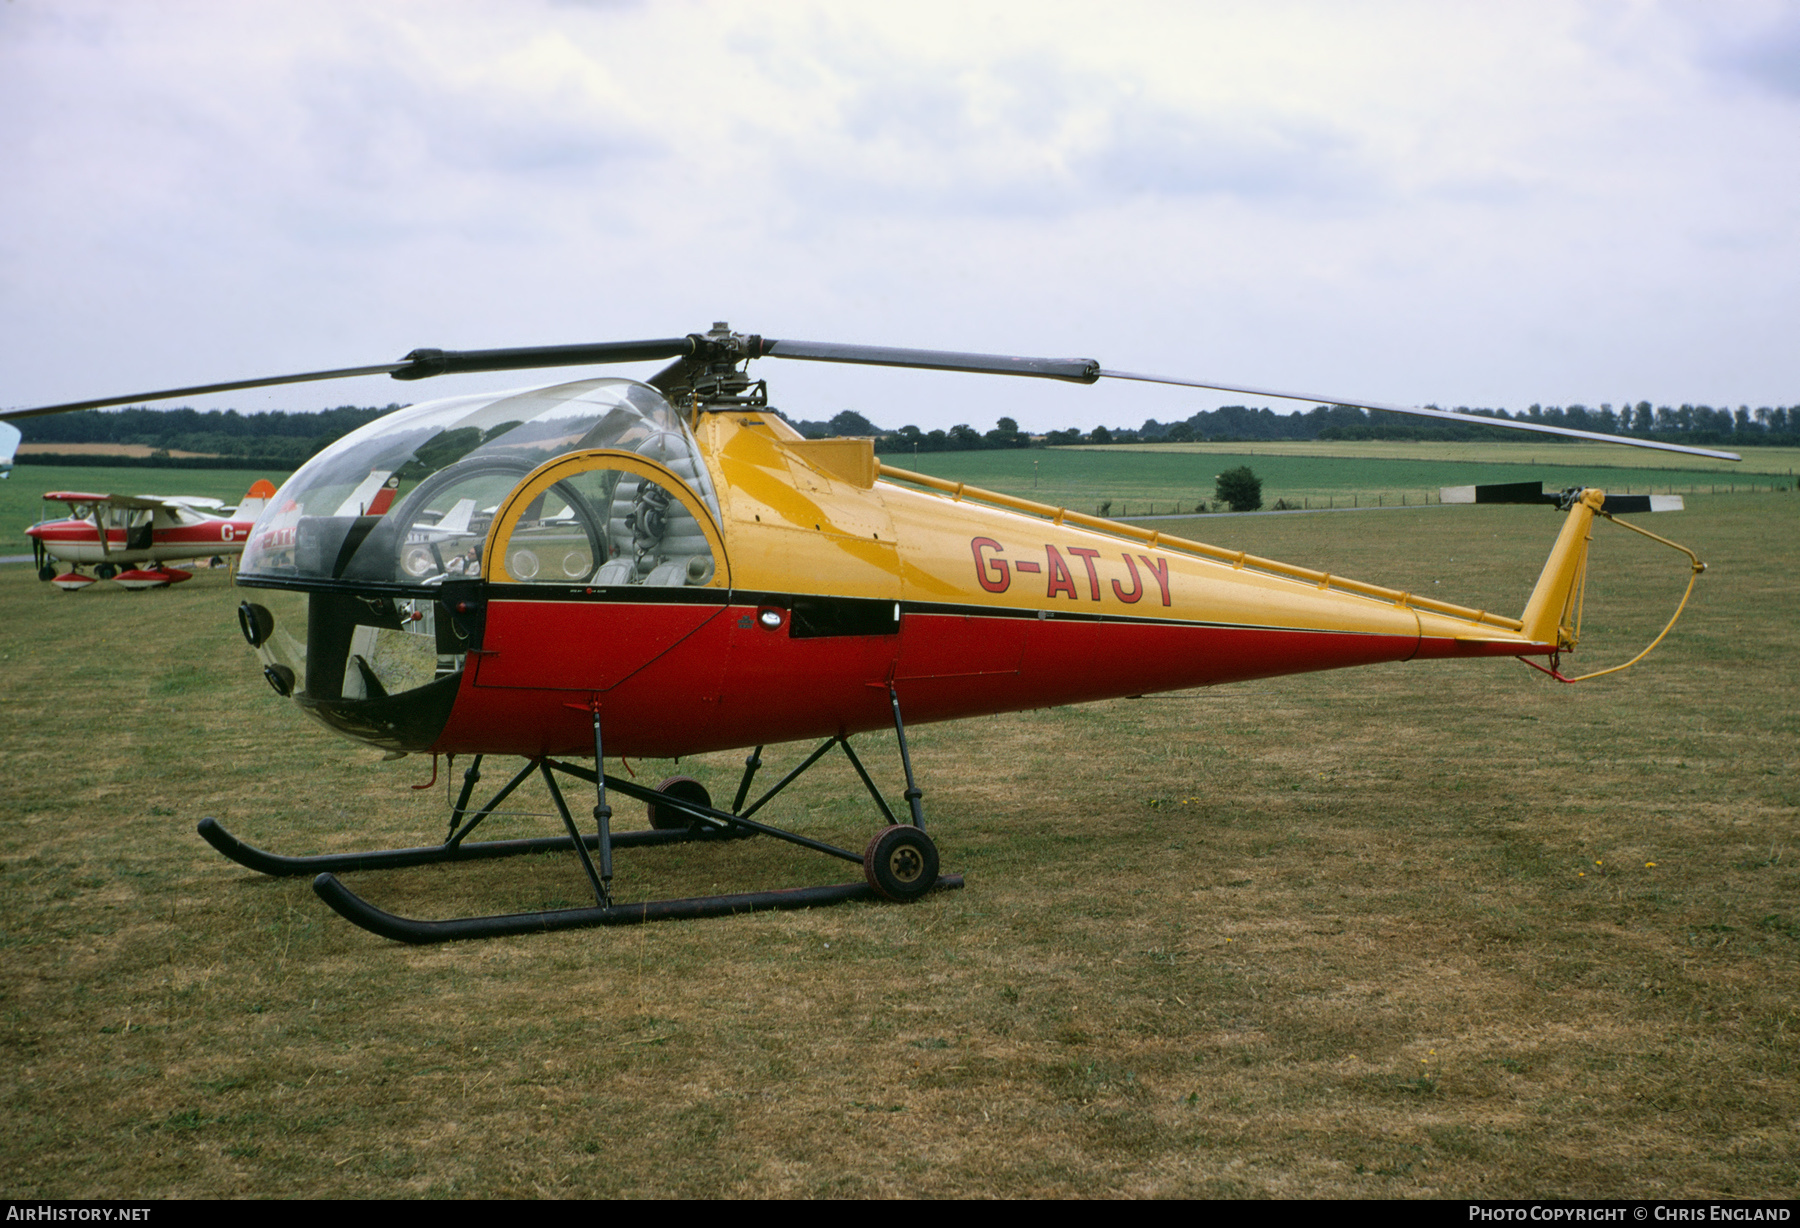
[(131, 539)]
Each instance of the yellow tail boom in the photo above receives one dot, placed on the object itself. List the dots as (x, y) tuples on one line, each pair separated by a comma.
[(1548, 615)]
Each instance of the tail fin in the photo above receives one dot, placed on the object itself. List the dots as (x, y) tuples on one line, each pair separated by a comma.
[(359, 501), (1547, 616), (259, 494), (456, 520)]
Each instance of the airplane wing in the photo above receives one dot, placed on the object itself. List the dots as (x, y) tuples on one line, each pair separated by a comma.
[(194, 503), (134, 502)]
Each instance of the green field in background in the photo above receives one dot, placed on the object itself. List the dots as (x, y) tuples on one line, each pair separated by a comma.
[(1146, 479), (1138, 479)]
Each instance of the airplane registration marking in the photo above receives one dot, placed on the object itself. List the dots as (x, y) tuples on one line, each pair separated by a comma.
[(995, 574)]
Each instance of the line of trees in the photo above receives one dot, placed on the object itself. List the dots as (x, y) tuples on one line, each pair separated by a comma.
[(286, 440), (276, 439), (1691, 424)]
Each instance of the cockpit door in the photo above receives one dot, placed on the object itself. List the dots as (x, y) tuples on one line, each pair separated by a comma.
[(596, 565)]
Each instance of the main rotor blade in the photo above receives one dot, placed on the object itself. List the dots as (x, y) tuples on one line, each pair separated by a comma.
[(1511, 424), (424, 363), (420, 364), (1087, 371), (201, 390), (1075, 370)]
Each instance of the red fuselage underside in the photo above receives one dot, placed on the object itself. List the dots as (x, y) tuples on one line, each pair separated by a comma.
[(682, 679)]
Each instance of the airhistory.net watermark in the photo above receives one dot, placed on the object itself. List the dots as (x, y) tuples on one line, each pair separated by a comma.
[(62, 1213)]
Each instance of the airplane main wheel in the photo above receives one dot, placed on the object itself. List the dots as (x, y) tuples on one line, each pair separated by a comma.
[(665, 818), (901, 862)]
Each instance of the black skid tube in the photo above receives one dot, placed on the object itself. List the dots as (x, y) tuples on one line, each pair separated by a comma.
[(358, 911), (280, 865)]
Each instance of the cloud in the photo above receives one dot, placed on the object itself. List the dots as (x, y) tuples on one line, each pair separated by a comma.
[(1257, 157), (1769, 55), (1042, 140), (1463, 203)]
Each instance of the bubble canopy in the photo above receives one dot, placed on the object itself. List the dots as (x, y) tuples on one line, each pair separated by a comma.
[(379, 542), (446, 466)]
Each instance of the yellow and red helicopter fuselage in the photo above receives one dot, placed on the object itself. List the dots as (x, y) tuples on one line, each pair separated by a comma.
[(966, 610), (813, 587)]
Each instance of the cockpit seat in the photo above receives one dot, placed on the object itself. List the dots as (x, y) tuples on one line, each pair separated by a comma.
[(652, 538)]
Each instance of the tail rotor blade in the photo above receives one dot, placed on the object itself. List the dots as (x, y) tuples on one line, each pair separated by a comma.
[(1534, 492)]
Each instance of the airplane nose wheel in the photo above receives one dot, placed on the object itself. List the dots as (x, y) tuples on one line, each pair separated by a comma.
[(901, 862)]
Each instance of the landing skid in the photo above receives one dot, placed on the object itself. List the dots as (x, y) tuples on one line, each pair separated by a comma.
[(278, 865), (359, 911), (900, 862)]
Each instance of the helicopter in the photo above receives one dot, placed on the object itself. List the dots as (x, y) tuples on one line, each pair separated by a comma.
[(665, 567)]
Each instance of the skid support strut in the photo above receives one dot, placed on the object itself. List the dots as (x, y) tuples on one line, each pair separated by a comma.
[(455, 848), (912, 786), (899, 863)]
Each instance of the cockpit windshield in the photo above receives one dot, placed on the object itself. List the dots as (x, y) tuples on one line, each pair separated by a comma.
[(409, 499)]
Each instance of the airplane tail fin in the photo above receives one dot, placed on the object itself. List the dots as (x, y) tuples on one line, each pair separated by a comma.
[(456, 520), (1549, 616), (9, 445), (260, 492)]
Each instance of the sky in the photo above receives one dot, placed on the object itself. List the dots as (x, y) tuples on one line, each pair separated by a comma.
[(1447, 203)]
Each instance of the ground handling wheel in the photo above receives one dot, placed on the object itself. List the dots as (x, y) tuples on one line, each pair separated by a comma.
[(901, 862), (665, 818)]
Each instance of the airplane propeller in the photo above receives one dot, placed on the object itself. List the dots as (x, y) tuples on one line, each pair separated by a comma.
[(721, 347)]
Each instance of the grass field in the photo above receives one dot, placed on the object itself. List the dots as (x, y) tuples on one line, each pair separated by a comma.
[(1417, 930)]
